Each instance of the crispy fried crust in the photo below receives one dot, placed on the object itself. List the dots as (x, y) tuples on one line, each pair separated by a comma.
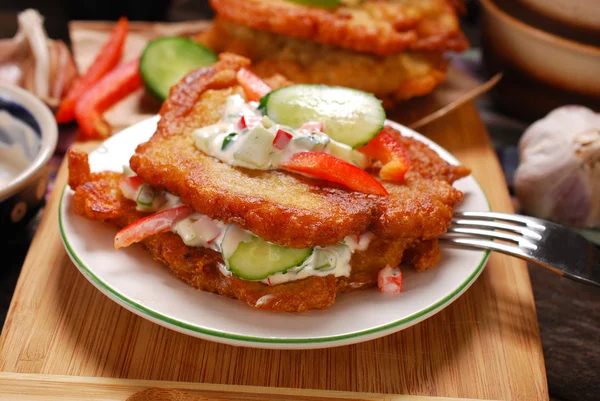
[(97, 198), (374, 26), (392, 78), (280, 207), (423, 254), (426, 162)]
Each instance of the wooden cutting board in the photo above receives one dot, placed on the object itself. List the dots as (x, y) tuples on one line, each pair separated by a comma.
[(485, 345), (34, 387)]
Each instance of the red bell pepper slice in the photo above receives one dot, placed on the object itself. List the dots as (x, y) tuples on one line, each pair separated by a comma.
[(282, 138), (389, 280), (330, 168), (105, 61), (119, 83), (253, 86), (249, 121), (156, 223), (130, 186), (385, 148)]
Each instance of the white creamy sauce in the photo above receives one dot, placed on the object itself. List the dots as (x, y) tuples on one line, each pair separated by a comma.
[(359, 242), (264, 299), (253, 146), (17, 147)]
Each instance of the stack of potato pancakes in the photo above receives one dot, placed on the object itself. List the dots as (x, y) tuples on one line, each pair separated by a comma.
[(392, 48)]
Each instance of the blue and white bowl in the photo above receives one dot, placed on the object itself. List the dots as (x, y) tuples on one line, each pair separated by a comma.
[(28, 135)]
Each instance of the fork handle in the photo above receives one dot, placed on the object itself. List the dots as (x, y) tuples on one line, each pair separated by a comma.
[(592, 276)]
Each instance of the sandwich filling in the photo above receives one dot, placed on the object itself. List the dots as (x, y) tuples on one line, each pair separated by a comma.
[(198, 230), (246, 138)]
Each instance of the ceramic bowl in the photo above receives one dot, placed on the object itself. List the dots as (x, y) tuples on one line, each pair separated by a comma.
[(561, 62), (578, 13), (28, 135), (548, 68)]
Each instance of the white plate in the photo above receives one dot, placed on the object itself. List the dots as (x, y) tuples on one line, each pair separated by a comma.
[(145, 287)]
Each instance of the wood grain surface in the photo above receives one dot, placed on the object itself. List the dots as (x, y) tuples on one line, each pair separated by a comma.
[(33, 387), (485, 345), (569, 319)]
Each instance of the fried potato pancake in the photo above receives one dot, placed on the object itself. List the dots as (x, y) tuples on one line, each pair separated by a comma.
[(392, 78), (97, 197), (381, 27), (281, 207)]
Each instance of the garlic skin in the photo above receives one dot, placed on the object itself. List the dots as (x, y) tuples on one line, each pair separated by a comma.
[(559, 173), (40, 65)]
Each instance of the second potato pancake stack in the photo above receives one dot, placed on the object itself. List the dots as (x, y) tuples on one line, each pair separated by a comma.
[(392, 48)]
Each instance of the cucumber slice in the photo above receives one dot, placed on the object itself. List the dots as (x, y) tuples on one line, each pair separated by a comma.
[(349, 116), (146, 195), (344, 152), (166, 60), (256, 147), (228, 139), (258, 259)]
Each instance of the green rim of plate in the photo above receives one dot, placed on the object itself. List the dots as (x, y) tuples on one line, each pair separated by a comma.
[(168, 321)]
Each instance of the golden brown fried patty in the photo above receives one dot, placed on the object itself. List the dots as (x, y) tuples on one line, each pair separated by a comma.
[(374, 26), (97, 197), (281, 207), (393, 78)]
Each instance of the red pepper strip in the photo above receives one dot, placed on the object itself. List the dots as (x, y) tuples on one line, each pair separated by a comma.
[(105, 61), (156, 223), (119, 83), (249, 121), (254, 87), (385, 148), (330, 168), (389, 280), (282, 138), (130, 186)]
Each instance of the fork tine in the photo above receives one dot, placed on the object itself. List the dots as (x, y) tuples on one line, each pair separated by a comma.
[(486, 244), (520, 240), (525, 231), (513, 218), (542, 242)]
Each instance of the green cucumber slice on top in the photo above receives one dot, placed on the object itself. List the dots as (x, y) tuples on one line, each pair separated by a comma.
[(349, 116), (257, 259), (165, 61)]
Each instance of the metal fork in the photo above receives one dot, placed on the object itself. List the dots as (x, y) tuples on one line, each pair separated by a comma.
[(542, 242)]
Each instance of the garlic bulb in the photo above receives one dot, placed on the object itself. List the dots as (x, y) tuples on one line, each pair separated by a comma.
[(559, 174)]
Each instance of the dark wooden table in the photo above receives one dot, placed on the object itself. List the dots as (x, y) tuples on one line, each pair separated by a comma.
[(569, 319)]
